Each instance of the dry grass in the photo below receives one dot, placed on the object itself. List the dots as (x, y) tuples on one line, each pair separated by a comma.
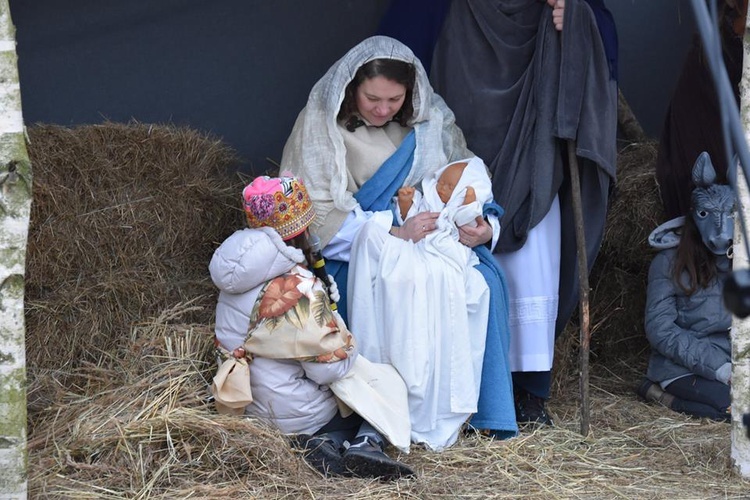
[(142, 429), (120, 350)]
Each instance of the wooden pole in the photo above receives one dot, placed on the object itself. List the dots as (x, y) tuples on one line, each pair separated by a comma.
[(583, 287)]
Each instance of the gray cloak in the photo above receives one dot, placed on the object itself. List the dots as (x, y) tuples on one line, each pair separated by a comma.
[(519, 89)]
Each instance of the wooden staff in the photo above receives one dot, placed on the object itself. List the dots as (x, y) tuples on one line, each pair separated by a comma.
[(583, 286)]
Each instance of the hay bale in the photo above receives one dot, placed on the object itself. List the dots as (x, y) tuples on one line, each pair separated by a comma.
[(635, 210), (620, 274), (124, 220)]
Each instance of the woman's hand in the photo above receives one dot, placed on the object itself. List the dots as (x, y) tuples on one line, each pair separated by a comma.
[(475, 236), (417, 227), (558, 12)]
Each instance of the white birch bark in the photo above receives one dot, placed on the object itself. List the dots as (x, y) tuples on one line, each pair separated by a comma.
[(741, 327), (15, 204)]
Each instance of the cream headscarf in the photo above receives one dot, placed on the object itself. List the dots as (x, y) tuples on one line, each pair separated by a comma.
[(315, 149)]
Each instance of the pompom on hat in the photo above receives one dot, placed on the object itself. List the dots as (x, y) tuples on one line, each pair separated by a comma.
[(281, 203)]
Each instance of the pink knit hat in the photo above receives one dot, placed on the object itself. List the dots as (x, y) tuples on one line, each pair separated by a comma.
[(278, 202)]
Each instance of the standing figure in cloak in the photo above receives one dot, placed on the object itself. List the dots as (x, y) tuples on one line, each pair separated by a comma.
[(686, 321), (373, 125), (526, 77), (693, 121)]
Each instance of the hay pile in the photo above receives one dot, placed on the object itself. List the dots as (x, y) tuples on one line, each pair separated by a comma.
[(144, 430), (120, 308)]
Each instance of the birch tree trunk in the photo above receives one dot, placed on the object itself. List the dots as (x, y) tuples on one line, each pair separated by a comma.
[(15, 205), (741, 327), (741, 331)]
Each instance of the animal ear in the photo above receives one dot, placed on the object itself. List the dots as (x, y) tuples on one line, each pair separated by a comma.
[(704, 174)]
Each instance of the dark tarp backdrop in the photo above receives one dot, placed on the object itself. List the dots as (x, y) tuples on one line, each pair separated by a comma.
[(241, 69)]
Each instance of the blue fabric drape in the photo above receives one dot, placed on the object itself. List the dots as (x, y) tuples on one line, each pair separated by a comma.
[(376, 193), (605, 21), (399, 22), (495, 410)]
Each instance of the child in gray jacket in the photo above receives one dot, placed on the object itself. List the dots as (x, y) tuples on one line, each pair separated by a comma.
[(686, 322)]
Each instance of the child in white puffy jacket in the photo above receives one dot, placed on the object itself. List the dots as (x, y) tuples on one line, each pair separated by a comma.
[(275, 327)]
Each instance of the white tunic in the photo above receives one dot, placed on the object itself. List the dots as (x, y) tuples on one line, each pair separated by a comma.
[(533, 276)]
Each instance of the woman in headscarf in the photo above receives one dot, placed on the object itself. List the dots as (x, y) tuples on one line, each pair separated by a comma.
[(372, 125)]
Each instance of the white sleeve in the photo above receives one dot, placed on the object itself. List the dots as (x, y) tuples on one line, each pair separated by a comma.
[(327, 373), (495, 223), (340, 246), (397, 211)]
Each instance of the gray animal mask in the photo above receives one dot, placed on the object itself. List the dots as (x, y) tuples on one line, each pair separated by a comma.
[(712, 207)]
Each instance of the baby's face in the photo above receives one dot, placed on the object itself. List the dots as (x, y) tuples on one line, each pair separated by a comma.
[(448, 180)]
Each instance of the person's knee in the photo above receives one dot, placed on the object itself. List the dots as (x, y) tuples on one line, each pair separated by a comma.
[(371, 230), (372, 235)]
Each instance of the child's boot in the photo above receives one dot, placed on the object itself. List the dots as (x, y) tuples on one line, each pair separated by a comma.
[(365, 458), (651, 391), (323, 455)]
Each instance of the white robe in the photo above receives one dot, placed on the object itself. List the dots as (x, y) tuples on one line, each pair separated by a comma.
[(424, 310)]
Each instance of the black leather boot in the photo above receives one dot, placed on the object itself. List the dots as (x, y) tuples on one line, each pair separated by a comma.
[(365, 458)]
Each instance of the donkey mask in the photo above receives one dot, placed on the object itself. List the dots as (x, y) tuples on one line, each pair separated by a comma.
[(712, 208)]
